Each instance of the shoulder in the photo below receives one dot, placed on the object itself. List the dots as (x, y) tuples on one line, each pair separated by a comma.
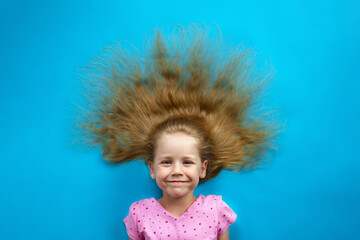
[(210, 198), (133, 222), (139, 207), (212, 201), (225, 215), (213, 198), (218, 203), (142, 204)]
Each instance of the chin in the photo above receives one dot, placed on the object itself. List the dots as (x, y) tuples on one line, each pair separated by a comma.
[(177, 195)]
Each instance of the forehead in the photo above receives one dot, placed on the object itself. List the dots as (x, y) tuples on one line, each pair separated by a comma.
[(177, 143)]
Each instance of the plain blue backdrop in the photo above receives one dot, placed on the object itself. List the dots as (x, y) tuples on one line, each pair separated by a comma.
[(50, 189)]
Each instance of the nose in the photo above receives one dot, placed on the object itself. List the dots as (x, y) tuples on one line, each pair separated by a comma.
[(177, 169)]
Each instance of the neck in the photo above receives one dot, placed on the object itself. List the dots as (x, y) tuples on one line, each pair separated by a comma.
[(177, 206)]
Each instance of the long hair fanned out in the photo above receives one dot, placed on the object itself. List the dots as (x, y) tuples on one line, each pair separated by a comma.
[(189, 76)]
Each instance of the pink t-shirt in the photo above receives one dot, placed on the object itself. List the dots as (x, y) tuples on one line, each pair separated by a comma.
[(208, 217)]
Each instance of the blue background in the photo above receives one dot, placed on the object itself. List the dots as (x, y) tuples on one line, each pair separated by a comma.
[(51, 189)]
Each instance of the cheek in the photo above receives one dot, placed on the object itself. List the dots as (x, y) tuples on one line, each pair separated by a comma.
[(194, 173), (161, 173)]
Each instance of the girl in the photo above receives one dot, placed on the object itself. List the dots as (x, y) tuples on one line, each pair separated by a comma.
[(185, 109)]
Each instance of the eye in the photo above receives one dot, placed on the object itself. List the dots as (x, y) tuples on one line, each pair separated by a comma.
[(166, 162), (188, 162)]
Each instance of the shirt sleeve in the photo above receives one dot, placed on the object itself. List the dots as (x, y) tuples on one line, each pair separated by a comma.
[(226, 216), (131, 224)]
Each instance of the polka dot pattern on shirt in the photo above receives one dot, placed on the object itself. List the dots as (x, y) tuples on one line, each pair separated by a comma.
[(207, 218)]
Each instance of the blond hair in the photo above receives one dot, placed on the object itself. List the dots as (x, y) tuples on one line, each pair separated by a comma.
[(194, 85)]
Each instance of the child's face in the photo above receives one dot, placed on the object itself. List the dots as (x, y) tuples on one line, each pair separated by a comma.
[(177, 166)]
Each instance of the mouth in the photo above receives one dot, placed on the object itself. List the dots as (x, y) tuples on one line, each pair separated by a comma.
[(177, 182)]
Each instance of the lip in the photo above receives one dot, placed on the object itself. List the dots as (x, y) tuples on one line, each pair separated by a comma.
[(177, 182)]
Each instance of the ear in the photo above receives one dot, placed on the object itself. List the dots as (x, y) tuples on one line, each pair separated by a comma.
[(151, 167), (203, 169)]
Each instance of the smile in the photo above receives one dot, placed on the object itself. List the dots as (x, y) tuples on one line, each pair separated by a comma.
[(177, 182)]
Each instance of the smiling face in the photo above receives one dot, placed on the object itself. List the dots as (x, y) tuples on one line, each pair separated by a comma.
[(177, 166)]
